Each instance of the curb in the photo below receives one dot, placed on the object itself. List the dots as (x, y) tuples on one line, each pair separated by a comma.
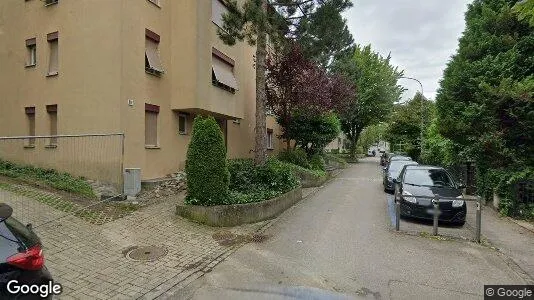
[(525, 225)]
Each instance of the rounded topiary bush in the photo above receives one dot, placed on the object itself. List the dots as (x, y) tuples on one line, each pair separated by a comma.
[(206, 167)]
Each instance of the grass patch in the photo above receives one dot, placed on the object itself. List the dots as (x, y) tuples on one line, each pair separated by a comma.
[(49, 177)]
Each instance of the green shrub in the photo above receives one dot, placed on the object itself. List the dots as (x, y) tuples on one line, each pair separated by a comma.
[(206, 166), (317, 162), (242, 174), (273, 175), (295, 156), (276, 175), (301, 172), (335, 160), (334, 151), (50, 177), (250, 183)]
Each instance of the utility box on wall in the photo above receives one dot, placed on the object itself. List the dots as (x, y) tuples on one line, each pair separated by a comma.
[(132, 181)]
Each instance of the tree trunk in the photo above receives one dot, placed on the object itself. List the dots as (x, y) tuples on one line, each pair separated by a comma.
[(260, 148), (354, 143)]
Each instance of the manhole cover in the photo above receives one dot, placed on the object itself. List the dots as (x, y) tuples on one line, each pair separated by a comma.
[(146, 253)]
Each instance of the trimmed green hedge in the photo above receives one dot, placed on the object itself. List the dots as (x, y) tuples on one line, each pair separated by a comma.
[(250, 183), (295, 156), (301, 172), (50, 177), (206, 167)]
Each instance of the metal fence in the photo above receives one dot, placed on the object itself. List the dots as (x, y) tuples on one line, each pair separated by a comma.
[(33, 180)]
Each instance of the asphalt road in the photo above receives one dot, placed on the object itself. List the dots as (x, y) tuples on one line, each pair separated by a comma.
[(339, 239)]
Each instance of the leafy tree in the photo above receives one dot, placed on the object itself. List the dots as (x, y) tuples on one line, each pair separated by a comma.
[(206, 166), (525, 11), (437, 149), (324, 34), (407, 121), (376, 82), (313, 133), (256, 20), (485, 102), (372, 134), (297, 86)]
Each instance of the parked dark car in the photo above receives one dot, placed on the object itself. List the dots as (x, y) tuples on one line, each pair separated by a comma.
[(21, 256), (385, 157), (392, 171), (396, 157), (428, 181)]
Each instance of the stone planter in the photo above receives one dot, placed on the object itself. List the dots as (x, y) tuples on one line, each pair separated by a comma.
[(237, 214), (308, 181)]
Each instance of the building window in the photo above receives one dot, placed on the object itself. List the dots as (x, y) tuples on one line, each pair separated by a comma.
[(218, 9), (270, 139), (156, 2), (30, 115), (50, 2), (52, 117), (31, 47), (223, 71), (182, 123), (53, 62), (152, 60), (151, 125)]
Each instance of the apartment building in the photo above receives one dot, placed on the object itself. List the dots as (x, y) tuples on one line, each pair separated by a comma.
[(144, 68)]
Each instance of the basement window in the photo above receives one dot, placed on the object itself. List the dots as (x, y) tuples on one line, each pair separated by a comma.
[(52, 118), (30, 115)]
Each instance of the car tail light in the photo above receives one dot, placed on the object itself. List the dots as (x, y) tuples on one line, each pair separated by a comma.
[(31, 259)]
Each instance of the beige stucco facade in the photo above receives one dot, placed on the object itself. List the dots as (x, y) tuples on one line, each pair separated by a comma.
[(102, 86)]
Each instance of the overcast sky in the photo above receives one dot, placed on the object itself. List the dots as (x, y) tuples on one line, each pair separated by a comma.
[(421, 35)]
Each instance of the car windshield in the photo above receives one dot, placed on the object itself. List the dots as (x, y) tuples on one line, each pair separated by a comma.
[(396, 166), (428, 177)]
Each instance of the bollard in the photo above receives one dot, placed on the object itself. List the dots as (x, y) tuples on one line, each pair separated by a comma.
[(397, 215), (478, 220), (436, 211)]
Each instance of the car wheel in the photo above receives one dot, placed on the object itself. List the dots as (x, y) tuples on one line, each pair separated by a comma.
[(461, 223)]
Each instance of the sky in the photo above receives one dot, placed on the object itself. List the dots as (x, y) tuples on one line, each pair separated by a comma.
[(421, 36)]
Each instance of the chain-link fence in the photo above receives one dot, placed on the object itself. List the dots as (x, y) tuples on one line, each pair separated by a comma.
[(46, 178)]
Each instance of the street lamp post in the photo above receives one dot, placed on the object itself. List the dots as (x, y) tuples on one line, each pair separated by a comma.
[(422, 108)]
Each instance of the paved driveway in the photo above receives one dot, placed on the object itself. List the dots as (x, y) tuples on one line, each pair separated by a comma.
[(340, 240), (90, 260)]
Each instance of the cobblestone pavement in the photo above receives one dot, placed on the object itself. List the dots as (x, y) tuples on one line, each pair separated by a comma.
[(90, 260)]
